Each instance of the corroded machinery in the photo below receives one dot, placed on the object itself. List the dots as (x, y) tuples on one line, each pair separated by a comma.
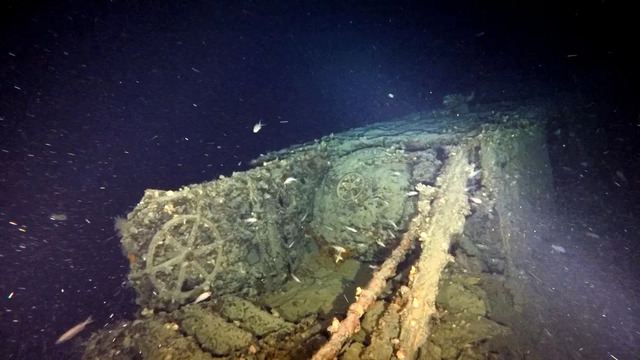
[(357, 245)]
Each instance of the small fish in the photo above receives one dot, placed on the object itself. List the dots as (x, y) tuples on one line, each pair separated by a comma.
[(202, 297), (593, 235), (379, 242), (294, 277), (558, 248), (258, 126), (412, 193), (290, 180), (475, 200), (474, 174), (304, 217), (393, 224), (291, 245), (351, 229), (374, 267), (339, 249), (58, 217), (250, 220), (74, 331)]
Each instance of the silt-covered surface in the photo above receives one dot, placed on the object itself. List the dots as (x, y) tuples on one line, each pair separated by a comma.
[(283, 247)]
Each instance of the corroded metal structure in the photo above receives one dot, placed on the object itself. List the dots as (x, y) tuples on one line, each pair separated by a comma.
[(342, 247)]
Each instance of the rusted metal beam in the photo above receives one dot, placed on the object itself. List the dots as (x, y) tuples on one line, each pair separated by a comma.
[(451, 197)]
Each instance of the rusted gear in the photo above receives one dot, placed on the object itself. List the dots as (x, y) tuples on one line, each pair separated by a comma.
[(184, 257), (350, 186)]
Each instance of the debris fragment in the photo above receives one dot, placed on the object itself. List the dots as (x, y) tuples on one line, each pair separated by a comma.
[(339, 251)]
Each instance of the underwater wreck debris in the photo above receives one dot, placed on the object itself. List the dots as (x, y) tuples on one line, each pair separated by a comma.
[(350, 186), (339, 250), (458, 103), (182, 249), (365, 299), (197, 240), (204, 242), (424, 277), (423, 284)]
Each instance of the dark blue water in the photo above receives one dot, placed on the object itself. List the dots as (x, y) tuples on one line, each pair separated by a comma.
[(99, 102)]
